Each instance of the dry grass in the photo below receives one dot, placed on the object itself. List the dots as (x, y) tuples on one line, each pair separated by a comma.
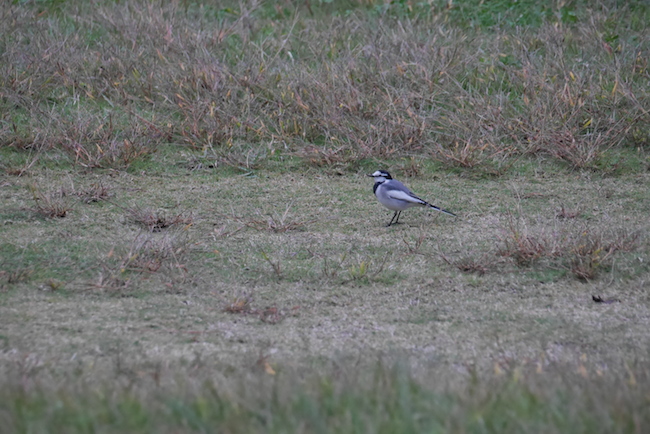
[(470, 155), (585, 249), (273, 223), (8, 278), (155, 221), (50, 204), (271, 315), (524, 246), (564, 213), (320, 157), (94, 143), (96, 192), (591, 252), (473, 264), (123, 267), (239, 305), (275, 265), (335, 92)]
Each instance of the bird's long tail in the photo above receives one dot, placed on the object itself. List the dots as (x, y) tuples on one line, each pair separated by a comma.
[(442, 210)]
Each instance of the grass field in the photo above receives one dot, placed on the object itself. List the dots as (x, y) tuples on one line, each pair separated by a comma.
[(188, 241)]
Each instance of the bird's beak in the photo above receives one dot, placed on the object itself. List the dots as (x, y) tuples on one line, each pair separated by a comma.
[(370, 176)]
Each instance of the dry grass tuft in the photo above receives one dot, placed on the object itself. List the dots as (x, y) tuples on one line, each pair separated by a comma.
[(252, 159), (366, 269), (522, 246), (274, 315), (98, 143), (149, 255), (585, 250), (329, 270), (274, 223), (592, 251), (322, 157), (155, 221), (239, 305), (275, 265), (581, 151), (271, 315), (277, 225), (145, 256), (14, 276), (109, 281), (415, 247), (97, 192), (472, 264), (411, 167), (469, 154), (50, 205), (564, 213)]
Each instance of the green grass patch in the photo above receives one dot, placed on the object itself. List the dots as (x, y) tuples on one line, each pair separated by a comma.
[(388, 400)]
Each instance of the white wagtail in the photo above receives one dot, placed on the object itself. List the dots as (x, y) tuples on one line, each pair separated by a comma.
[(395, 196)]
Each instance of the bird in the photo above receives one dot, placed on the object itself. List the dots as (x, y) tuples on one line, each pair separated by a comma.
[(397, 197)]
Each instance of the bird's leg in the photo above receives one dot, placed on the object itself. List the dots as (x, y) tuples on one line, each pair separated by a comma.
[(397, 213), (391, 220)]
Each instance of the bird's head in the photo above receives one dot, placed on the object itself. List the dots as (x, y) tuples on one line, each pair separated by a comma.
[(380, 176)]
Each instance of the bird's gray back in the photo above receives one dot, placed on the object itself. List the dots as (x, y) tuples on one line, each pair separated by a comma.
[(394, 184)]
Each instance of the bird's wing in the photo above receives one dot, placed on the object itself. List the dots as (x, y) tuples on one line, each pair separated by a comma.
[(404, 194)]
